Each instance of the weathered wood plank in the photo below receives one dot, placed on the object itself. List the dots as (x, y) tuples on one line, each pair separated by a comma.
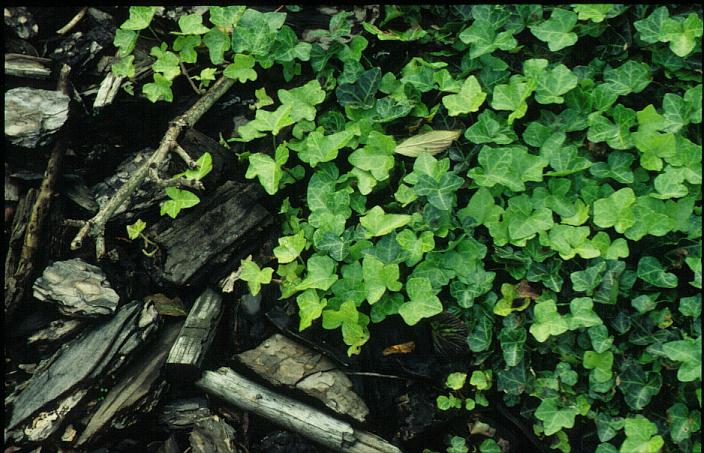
[(195, 337), (316, 425)]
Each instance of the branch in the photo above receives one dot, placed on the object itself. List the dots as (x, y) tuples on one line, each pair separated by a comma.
[(73, 22), (30, 247), (95, 227)]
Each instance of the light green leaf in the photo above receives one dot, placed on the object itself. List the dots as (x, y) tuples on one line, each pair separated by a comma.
[(588, 279), (681, 34), (600, 364), (134, 230), (253, 275), (319, 147), (204, 165), (290, 247), (616, 210), (650, 28), (241, 68), (431, 143), (378, 277), (570, 241), (140, 18), (377, 223), (468, 100), (523, 220), (320, 273), (303, 100), (547, 321), (617, 167), (506, 305), (273, 122), (689, 352), (267, 170), (683, 422), (456, 380), (423, 302), (557, 31), (125, 40), (159, 89), (554, 416), (595, 13), (641, 436), (166, 64), (512, 96), (630, 77), (553, 84), (490, 128), (376, 156), (483, 37), (310, 307), (124, 67), (510, 166), (179, 199)]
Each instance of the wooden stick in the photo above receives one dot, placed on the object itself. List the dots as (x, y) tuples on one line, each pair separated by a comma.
[(73, 22), (32, 239), (95, 227), (292, 415)]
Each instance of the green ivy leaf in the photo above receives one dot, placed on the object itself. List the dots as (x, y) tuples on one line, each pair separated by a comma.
[(303, 100), (456, 380), (140, 18), (689, 352), (310, 308), (557, 31), (204, 165), (490, 128), (167, 63), (681, 34), (241, 68), (268, 170), (378, 277), (253, 275), (630, 77), (360, 94), (319, 147), (651, 271), (552, 84), (506, 305), (377, 223), (422, 304), (265, 121), (320, 273), (217, 43), (554, 416), (600, 364), (179, 199), (637, 386), (683, 422), (582, 314), (134, 230), (523, 220), (159, 89), (353, 323), (588, 279), (484, 39), (290, 247), (512, 97), (617, 167), (595, 13), (547, 321), (468, 100), (616, 210), (512, 345), (124, 67), (641, 436), (509, 166), (125, 40), (376, 157)]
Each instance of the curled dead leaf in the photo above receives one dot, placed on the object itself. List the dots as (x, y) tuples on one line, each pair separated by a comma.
[(432, 142), (403, 348)]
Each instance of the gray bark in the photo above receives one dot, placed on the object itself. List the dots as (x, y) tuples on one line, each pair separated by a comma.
[(292, 415), (213, 435), (33, 116)]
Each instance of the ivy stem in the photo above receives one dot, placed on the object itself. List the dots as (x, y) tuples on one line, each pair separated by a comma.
[(190, 81)]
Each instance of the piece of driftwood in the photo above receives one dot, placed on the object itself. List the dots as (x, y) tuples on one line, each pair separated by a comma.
[(134, 387), (195, 337), (282, 361), (29, 66), (209, 234), (25, 269), (316, 425), (61, 382), (33, 116), (212, 435), (109, 88), (77, 288), (95, 227), (58, 330), (183, 413), (19, 226)]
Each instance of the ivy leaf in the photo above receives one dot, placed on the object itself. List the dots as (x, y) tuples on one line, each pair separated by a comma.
[(431, 143), (510, 166), (265, 121), (482, 208), (440, 194), (241, 68), (468, 100), (595, 13), (320, 273), (506, 305), (333, 245), (377, 223), (387, 306), (319, 147), (553, 84), (378, 277), (617, 167), (554, 416), (159, 89), (303, 100), (353, 323), (134, 230), (484, 39), (512, 345), (617, 134), (599, 337), (423, 302), (610, 250), (310, 307), (204, 165), (415, 246), (268, 170), (651, 271), (290, 247), (630, 77), (254, 276), (523, 220), (641, 436), (255, 32), (588, 279), (455, 381), (557, 31), (637, 386), (681, 34), (360, 94), (167, 63), (191, 24), (616, 210), (140, 18), (649, 29), (683, 422), (570, 241), (547, 321), (376, 156), (689, 352), (124, 66), (125, 40), (179, 199), (490, 128), (600, 364), (512, 96), (225, 17)]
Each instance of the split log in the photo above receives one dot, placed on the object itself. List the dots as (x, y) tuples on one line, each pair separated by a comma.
[(195, 337), (213, 435), (29, 66), (79, 289), (319, 427), (134, 387), (211, 234), (282, 361), (183, 413), (58, 330), (61, 382)]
